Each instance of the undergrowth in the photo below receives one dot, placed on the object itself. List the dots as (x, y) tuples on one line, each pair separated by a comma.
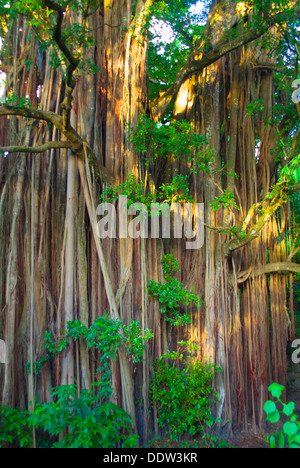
[(182, 390)]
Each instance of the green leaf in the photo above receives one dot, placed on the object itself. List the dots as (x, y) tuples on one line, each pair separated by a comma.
[(272, 442), (289, 409), (276, 390), (290, 429), (274, 417), (270, 407), (281, 440)]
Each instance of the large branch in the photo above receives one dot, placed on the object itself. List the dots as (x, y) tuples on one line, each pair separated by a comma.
[(282, 267), (57, 33), (73, 140), (28, 112), (239, 242), (72, 60), (196, 63), (278, 267), (201, 58), (39, 149), (76, 142)]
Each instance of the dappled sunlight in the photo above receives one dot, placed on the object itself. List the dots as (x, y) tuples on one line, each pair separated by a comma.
[(184, 99), (242, 8)]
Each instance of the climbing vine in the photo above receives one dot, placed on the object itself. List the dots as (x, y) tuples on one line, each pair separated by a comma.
[(105, 335), (171, 294)]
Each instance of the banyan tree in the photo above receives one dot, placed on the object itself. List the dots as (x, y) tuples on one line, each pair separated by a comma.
[(84, 101)]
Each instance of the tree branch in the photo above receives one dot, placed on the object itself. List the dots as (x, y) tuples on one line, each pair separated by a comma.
[(283, 267), (196, 63), (39, 149), (72, 60), (235, 244), (29, 113), (46, 116), (278, 267), (74, 141), (279, 200), (57, 36), (201, 58)]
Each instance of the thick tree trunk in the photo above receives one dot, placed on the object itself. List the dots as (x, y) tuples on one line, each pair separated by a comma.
[(236, 331), (243, 324)]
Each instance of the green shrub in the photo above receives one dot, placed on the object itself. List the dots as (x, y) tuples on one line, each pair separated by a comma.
[(69, 421), (14, 428), (87, 420), (183, 391)]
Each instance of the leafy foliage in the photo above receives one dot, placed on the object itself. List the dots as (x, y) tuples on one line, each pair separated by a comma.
[(16, 101), (87, 420), (14, 427), (132, 188), (291, 172), (172, 296), (168, 55), (288, 181), (256, 106), (76, 37), (227, 200), (105, 335), (183, 391), (176, 191), (69, 421), (290, 434), (156, 140), (177, 139)]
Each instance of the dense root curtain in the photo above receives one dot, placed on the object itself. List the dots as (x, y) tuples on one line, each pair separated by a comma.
[(54, 268)]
